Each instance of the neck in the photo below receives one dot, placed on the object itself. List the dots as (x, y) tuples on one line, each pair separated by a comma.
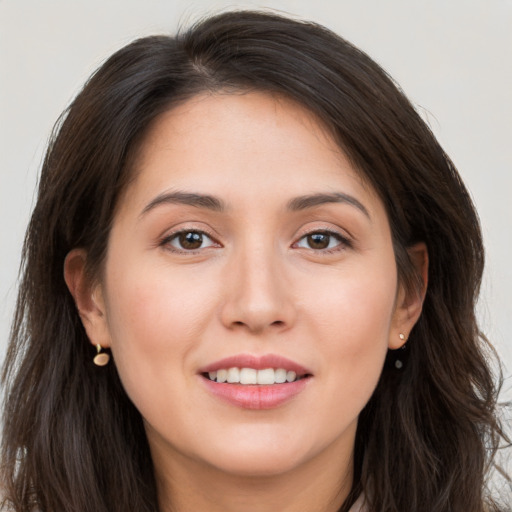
[(320, 485)]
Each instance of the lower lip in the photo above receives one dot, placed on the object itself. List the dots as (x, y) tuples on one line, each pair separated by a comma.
[(256, 396)]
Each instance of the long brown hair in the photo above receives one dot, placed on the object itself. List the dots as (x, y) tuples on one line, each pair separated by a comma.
[(73, 441)]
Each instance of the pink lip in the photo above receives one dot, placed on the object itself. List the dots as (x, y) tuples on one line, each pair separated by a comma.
[(256, 362), (256, 396)]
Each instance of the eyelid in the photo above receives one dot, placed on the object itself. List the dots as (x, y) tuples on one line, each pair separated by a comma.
[(345, 240), (165, 240)]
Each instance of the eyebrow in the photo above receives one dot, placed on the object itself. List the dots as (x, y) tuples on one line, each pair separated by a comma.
[(186, 198), (312, 200), (215, 204)]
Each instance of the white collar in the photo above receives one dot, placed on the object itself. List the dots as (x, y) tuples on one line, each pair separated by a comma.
[(358, 505)]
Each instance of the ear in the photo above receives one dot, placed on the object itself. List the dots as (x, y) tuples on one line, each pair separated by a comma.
[(88, 298), (409, 303)]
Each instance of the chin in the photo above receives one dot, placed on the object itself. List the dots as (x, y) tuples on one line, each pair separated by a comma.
[(257, 465), (261, 456)]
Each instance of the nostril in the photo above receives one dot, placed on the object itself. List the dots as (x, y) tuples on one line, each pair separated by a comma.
[(278, 323)]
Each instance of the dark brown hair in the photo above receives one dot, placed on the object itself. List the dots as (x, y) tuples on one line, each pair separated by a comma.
[(74, 442)]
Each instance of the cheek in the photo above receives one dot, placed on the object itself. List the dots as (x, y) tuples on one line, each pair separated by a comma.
[(352, 323), (150, 297), (355, 306), (155, 319)]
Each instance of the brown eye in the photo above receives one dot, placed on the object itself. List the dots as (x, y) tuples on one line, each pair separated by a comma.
[(321, 240), (318, 240), (190, 241)]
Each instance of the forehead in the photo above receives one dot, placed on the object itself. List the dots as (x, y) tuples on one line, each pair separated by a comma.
[(225, 142), (228, 118)]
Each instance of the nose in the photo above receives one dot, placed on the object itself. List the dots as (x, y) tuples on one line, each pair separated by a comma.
[(258, 294)]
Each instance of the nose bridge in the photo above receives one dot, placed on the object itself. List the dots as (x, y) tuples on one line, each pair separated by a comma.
[(257, 295)]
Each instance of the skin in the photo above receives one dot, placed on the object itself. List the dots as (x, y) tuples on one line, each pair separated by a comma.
[(254, 286)]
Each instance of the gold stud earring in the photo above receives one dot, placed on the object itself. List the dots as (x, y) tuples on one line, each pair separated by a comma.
[(101, 358), (398, 362)]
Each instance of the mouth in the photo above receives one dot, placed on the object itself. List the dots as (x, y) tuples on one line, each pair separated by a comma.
[(252, 376), (255, 382)]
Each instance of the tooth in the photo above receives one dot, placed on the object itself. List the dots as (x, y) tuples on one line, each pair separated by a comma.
[(248, 376), (266, 376), (290, 376), (280, 376), (233, 375)]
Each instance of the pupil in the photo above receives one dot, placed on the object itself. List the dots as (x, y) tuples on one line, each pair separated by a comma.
[(318, 241), (191, 240)]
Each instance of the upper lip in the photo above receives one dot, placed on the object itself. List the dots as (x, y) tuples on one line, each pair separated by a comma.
[(256, 362)]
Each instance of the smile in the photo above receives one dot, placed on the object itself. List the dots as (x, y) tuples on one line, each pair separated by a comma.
[(246, 376), (255, 382)]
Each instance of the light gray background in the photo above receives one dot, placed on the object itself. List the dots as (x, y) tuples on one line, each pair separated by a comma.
[(452, 57)]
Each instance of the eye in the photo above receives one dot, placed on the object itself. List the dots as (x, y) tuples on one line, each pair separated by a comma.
[(322, 240), (189, 240)]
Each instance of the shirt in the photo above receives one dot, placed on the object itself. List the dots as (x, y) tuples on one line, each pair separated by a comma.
[(358, 506)]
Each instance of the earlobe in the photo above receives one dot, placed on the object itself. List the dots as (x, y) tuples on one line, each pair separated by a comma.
[(410, 301), (88, 298)]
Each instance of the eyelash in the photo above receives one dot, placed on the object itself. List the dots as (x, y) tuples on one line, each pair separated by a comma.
[(343, 242), (167, 241)]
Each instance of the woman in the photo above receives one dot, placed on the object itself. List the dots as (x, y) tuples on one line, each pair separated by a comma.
[(254, 225)]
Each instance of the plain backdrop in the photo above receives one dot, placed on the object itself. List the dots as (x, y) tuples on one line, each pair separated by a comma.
[(452, 58)]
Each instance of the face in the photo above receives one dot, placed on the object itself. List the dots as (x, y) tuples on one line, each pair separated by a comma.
[(247, 240)]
